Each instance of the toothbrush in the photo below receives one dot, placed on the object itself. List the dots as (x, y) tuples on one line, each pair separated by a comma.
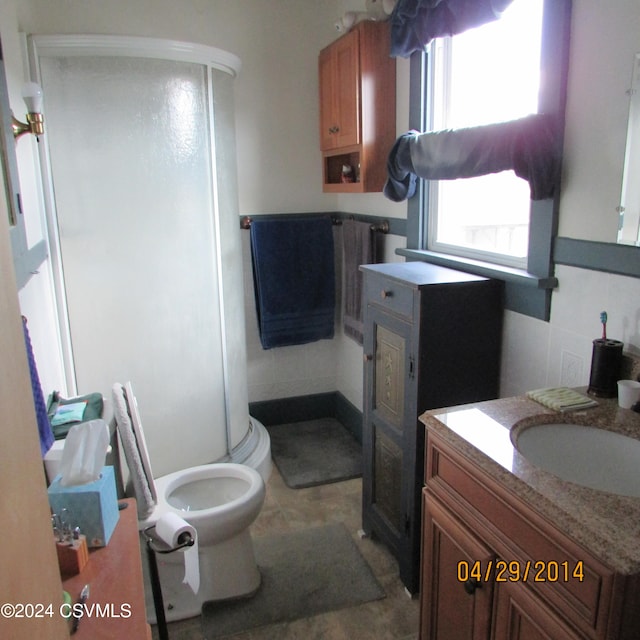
[(603, 319)]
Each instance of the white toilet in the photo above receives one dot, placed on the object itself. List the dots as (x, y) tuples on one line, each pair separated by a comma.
[(219, 500)]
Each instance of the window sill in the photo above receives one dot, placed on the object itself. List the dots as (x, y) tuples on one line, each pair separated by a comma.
[(477, 267)]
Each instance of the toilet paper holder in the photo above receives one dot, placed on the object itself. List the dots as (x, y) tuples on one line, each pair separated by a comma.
[(184, 540)]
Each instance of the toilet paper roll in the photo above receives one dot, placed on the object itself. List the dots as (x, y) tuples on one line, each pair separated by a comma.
[(171, 529)]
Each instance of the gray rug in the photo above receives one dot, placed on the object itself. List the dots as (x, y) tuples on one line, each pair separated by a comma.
[(303, 574), (315, 452)]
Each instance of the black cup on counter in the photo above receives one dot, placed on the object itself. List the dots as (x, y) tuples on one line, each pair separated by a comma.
[(606, 361)]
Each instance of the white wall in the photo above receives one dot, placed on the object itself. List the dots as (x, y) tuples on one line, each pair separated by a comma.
[(604, 40), (276, 91), (280, 166), (539, 354)]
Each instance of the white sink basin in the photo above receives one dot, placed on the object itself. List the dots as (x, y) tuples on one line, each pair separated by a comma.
[(588, 456)]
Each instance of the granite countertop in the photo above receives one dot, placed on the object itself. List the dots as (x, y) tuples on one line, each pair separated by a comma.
[(605, 524)]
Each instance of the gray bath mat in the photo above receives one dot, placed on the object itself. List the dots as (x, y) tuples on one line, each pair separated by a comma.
[(315, 452), (303, 574)]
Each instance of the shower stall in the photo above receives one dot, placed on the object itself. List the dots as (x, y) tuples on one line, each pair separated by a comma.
[(139, 168)]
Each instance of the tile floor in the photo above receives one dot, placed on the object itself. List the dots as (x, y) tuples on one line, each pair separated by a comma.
[(395, 617)]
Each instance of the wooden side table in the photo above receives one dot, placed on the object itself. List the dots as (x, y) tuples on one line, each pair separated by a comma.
[(116, 605)]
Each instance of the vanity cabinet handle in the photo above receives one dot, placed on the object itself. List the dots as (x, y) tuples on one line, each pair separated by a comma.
[(471, 585), (384, 294)]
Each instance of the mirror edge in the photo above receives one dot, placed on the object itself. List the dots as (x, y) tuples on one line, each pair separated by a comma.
[(629, 222)]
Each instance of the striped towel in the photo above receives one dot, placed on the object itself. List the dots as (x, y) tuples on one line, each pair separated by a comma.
[(561, 399)]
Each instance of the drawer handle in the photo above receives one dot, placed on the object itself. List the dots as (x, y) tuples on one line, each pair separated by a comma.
[(384, 294), (471, 585)]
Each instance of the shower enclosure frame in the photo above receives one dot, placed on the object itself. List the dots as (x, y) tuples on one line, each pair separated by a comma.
[(141, 47)]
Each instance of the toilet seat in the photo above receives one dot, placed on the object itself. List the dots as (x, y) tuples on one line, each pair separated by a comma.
[(223, 518), (156, 493), (194, 490)]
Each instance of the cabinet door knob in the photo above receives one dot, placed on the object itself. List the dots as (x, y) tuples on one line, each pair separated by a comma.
[(384, 294), (471, 585), (334, 129), (368, 357)]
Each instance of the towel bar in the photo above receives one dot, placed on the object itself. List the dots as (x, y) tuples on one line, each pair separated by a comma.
[(382, 227)]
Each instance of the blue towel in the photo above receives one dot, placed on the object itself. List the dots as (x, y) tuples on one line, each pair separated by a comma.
[(294, 279), (44, 426)]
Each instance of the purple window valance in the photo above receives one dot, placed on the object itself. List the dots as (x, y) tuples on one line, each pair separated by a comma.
[(414, 23)]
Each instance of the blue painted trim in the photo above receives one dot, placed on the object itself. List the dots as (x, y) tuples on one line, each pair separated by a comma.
[(418, 119), (599, 256), (487, 269), (397, 226), (311, 407)]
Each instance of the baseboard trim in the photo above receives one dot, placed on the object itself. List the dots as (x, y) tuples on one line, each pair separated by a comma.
[(310, 407), (349, 415)]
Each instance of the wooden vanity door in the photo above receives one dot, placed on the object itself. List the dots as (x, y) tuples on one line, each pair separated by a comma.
[(454, 606), (521, 616)]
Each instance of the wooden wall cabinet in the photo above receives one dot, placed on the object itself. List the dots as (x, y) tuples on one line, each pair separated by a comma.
[(357, 108), (432, 339), (470, 518)]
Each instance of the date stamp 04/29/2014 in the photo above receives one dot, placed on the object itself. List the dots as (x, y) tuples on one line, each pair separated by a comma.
[(516, 571)]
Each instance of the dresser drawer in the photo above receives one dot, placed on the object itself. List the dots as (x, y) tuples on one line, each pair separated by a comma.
[(389, 294), (570, 581)]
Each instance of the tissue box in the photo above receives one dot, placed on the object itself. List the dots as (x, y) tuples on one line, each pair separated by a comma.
[(93, 506)]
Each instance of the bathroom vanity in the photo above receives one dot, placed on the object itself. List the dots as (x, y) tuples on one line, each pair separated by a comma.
[(432, 339), (512, 551)]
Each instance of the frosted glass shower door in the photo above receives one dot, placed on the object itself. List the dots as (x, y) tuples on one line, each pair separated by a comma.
[(130, 153)]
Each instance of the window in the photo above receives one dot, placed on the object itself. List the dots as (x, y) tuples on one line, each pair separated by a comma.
[(500, 71), (485, 75)]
